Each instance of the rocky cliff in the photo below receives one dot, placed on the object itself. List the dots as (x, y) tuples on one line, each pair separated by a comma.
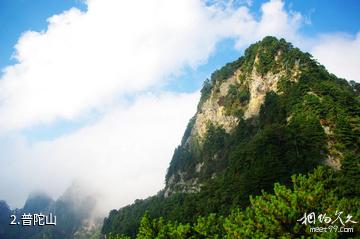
[(272, 113), (237, 92)]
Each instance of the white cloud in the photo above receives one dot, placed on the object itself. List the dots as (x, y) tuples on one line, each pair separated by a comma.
[(274, 21), (123, 156), (86, 59), (340, 54)]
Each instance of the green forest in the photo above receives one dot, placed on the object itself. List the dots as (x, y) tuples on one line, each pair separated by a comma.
[(258, 180), (274, 215)]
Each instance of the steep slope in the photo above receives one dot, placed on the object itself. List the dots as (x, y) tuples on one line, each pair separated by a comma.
[(270, 114), (235, 93)]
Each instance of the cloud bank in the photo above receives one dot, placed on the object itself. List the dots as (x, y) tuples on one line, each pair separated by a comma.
[(91, 61), (340, 53), (123, 156), (85, 60)]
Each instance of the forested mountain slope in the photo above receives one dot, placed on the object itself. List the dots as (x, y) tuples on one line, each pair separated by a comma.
[(272, 113)]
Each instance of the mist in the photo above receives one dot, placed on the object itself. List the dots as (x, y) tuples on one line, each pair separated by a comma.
[(76, 70), (121, 157)]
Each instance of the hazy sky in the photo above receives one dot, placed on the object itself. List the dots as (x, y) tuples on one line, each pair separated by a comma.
[(101, 90)]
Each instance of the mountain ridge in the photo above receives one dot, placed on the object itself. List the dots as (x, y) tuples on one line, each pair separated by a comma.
[(250, 81), (270, 114), (74, 211)]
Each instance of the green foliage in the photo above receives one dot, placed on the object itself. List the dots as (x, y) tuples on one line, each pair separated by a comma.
[(158, 228), (265, 53), (183, 160), (355, 86), (188, 130), (205, 92), (274, 215), (297, 128), (270, 46), (217, 77), (116, 236), (273, 110), (237, 97), (226, 71), (214, 139), (348, 183)]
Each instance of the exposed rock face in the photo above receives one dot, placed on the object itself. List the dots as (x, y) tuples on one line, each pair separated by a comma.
[(199, 166), (237, 92), (259, 86), (334, 157), (212, 112), (262, 118), (189, 186)]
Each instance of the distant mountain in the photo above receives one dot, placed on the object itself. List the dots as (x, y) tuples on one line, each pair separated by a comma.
[(74, 212), (38, 202), (4, 219), (272, 113)]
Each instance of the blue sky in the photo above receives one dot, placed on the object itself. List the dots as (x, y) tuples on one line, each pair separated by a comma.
[(325, 16), (17, 16), (89, 80)]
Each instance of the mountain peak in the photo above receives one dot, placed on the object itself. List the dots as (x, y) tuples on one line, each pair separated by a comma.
[(237, 93), (37, 202), (272, 113)]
